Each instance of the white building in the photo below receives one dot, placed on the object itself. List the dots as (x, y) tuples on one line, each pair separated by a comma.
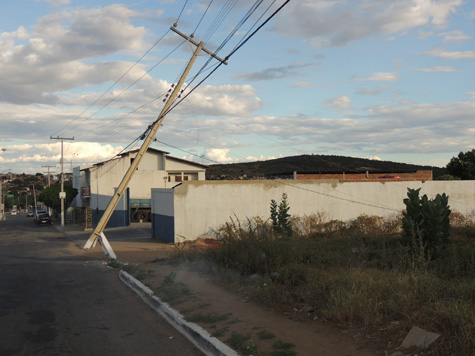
[(96, 184)]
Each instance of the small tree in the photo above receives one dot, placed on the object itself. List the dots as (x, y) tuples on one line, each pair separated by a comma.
[(50, 195), (426, 223), (280, 217)]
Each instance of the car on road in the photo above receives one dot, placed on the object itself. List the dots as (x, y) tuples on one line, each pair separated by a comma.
[(43, 219), (14, 212), (29, 213)]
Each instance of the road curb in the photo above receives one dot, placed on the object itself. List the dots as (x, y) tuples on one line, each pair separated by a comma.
[(208, 344)]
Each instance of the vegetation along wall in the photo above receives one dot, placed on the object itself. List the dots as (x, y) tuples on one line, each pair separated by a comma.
[(199, 206)]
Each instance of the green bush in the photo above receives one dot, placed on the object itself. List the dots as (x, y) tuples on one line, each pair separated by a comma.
[(426, 223), (280, 217)]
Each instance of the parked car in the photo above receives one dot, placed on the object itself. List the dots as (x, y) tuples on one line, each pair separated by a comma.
[(14, 212), (43, 219), (29, 213)]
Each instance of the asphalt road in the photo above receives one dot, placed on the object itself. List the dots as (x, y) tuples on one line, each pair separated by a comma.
[(55, 299)]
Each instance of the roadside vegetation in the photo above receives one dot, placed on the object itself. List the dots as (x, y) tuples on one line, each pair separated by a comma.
[(383, 275)]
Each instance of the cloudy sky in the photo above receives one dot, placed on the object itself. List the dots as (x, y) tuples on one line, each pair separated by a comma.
[(382, 79)]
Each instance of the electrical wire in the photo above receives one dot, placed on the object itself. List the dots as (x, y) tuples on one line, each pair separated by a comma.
[(201, 19), (181, 12), (339, 198), (243, 20), (222, 15), (114, 84), (129, 86), (182, 150)]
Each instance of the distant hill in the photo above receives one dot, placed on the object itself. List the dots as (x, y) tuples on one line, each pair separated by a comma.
[(310, 163)]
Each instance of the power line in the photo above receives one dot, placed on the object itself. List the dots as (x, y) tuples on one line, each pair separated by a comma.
[(339, 198), (117, 81), (201, 19), (243, 20), (181, 12)]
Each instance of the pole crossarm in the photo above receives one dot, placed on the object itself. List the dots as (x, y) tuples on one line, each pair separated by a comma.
[(196, 44), (98, 231)]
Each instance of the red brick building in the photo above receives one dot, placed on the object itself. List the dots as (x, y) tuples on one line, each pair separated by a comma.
[(367, 176)]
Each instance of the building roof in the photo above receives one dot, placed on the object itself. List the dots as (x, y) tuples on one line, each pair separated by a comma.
[(153, 150), (187, 161), (138, 149)]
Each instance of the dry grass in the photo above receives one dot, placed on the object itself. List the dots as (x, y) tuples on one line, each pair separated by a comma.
[(357, 273)]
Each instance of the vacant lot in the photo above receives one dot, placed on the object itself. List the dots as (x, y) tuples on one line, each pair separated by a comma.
[(357, 284)]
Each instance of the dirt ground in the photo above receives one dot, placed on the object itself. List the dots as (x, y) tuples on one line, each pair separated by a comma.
[(264, 326)]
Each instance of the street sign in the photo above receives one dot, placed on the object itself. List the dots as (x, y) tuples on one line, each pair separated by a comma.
[(62, 195)]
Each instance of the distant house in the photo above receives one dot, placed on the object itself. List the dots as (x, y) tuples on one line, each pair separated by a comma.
[(363, 175), (96, 184)]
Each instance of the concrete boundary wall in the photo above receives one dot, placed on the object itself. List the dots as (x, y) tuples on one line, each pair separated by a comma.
[(195, 207)]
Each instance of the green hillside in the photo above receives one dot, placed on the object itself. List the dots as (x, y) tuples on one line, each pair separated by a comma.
[(310, 163)]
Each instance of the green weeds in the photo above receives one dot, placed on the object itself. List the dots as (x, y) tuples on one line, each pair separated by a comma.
[(171, 291)]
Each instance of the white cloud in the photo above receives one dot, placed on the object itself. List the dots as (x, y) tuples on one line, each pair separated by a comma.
[(441, 53), (35, 66), (75, 153), (381, 76), (435, 69), (260, 158), (374, 158), (228, 100), (335, 23), (454, 36), (303, 85), (341, 102), (218, 155), (56, 3)]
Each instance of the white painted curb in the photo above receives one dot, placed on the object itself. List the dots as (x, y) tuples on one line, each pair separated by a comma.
[(208, 344)]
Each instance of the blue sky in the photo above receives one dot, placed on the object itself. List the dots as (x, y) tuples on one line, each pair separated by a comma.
[(387, 80)]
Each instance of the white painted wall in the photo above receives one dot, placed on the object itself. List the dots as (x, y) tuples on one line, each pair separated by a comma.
[(152, 172), (201, 205)]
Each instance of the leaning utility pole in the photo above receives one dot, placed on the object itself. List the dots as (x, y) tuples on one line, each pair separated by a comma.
[(98, 232), (62, 195)]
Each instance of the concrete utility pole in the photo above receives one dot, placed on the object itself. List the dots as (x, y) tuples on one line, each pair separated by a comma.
[(98, 232), (2, 197), (2, 204), (62, 195), (2, 200), (49, 180)]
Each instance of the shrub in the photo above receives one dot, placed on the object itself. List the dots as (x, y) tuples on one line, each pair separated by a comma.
[(426, 223), (280, 217)]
